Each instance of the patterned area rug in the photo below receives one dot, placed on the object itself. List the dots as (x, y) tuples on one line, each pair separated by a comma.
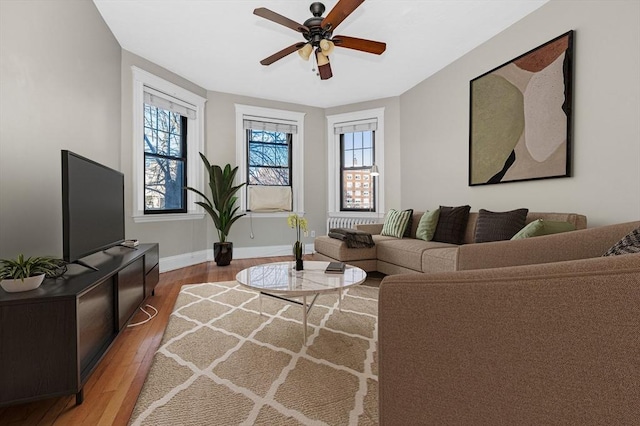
[(222, 363)]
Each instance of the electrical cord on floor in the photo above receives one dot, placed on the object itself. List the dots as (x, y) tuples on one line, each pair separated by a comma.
[(150, 317)]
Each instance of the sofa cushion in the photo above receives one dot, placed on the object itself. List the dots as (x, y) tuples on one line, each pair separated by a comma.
[(541, 227), (406, 252), (396, 223), (440, 259), (498, 226), (427, 225), (630, 243), (452, 224), (338, 250)]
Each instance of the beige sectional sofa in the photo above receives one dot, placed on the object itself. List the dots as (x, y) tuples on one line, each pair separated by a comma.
[(547, 343), (396, 256)]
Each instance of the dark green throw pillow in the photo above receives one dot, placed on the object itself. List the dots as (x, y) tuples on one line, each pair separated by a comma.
[(452, 224), (498, 226), (407, 231)]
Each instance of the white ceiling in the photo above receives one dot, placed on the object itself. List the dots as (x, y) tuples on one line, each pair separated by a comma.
[(218, 44)]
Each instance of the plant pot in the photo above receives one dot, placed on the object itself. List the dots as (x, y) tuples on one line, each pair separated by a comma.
[(14, 286), (223, 253)]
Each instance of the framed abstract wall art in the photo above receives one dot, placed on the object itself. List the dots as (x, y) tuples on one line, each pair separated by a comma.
[(520, 117)]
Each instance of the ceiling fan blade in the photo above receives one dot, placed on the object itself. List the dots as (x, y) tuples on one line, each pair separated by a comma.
[(340, 11), (369, 46), (265, 13), (281, 54), (324, 67)]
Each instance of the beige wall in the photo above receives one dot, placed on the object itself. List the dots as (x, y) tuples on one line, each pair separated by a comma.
[(174, 237), (59, 89), (221, 148), (192, 236), (606, 132)]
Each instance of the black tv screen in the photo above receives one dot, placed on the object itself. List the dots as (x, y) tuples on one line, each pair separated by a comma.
[(92, 206)]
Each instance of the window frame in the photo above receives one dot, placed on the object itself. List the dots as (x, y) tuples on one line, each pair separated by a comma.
[(248, 112), (358, 177), (184, 133), (195, 145), (334, 161)]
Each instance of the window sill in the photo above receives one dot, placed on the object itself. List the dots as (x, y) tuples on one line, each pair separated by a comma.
[(144, 218), (362, 214), (260, 215)]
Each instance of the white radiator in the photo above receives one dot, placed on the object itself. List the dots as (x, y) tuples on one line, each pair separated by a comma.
[(346, 222)]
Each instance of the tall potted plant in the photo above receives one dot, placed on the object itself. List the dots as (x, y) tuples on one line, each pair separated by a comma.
[(221, 207)]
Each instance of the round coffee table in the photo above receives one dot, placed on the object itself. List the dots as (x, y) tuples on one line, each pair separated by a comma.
[(281, 281)]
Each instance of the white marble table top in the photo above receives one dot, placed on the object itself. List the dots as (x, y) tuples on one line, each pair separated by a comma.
[(280, 278)]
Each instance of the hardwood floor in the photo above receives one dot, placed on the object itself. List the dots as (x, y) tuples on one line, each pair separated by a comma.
[(111, 391)]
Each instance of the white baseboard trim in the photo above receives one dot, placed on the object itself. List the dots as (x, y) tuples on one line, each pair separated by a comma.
[(183, 260), (188, 259)]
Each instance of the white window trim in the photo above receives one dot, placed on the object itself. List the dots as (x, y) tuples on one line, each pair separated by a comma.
[(333, 166), (297, 151), (195, 145)]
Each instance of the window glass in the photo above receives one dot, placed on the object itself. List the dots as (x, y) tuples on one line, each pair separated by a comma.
[(269, 158), (357, 157), (165, 136)]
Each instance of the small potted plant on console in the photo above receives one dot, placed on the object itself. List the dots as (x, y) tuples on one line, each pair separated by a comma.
[(22, 274)]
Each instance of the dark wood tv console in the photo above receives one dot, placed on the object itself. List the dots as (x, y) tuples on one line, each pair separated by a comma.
[(52, 338)]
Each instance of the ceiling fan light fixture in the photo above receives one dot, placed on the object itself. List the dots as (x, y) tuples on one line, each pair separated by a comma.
[(305, 51), (327, 47), (321, 58)]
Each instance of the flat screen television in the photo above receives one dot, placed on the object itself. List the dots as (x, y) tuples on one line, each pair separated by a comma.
[(92, 207)]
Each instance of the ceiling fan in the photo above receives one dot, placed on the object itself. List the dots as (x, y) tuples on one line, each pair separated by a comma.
[(318, 33)]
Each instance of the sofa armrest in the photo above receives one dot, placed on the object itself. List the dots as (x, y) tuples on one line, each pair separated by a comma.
[(538, 344), (580, 244), (371, 228)]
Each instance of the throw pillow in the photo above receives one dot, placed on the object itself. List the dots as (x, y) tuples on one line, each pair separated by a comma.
[(630, 243), (395, 223), (427, 225), (407, 231), (543, 227), (498, 226), (452, 224)]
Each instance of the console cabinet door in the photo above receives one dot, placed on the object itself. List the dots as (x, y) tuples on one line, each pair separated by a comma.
[(96, 324), (37, 346), (130, 292), (151, 270)]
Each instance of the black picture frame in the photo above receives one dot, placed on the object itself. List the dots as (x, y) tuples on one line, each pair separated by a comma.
[(520, 116)]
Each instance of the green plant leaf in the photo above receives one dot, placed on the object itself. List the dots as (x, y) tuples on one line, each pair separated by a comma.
[(21, 268), (220, 206)]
